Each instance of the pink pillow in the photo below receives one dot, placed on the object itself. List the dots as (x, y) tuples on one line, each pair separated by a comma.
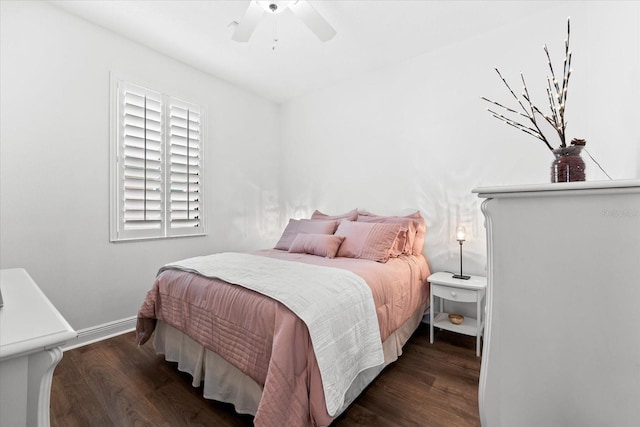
[(421, 231), (419, 224), (349, 216), (406, 237), (325, 245), (304, 226), (365, 240)]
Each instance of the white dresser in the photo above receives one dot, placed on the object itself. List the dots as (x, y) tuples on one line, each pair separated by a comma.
[(562, 339), (31, 333)]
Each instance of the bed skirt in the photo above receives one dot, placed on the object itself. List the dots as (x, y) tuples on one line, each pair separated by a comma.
[(225, 383)]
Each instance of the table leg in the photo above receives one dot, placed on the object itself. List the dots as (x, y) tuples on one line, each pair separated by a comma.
[(40, 376), (478, 323), (431, 316)]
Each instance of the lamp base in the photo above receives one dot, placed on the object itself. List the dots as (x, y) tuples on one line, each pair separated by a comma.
[(460, 276)]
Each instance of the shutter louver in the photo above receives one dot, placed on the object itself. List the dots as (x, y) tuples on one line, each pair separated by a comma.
[(141, 160), (185, 173)]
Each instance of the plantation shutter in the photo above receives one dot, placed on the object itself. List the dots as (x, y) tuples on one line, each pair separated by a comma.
[(184, 163), (157, 165), (140, 163)]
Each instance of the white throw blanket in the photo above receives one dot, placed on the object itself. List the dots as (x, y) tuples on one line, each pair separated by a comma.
[(336, 305)]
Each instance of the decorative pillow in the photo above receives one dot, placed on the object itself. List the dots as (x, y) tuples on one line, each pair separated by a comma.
[(418, 223), (365, 240), (349, 216), (325, 245), (421, 231), (304, 226), (406, 236)]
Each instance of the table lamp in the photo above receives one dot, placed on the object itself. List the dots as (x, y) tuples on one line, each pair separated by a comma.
[(460, 235)]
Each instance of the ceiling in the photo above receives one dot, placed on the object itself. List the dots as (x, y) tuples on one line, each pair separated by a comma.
[(370, 35)]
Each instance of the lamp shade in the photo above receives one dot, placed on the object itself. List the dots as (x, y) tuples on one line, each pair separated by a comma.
[(460, 234)]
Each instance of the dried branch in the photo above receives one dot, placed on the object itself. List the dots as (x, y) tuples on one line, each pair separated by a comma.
[(530, 113), (565, 88), (506, 108), (556, 95), (510, 90), (553, 74), (553, 119), (511, 121), (532, 116), (566, 70)]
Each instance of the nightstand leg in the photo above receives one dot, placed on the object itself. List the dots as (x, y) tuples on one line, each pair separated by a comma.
[(431, 315), (478, 323)]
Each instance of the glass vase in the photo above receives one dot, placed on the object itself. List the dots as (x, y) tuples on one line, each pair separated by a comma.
[(568, 165)]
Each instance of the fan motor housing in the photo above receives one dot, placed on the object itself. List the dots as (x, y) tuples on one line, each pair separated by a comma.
[(275, 6)]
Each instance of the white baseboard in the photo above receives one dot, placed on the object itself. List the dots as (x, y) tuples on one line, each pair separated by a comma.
[(101, 332)]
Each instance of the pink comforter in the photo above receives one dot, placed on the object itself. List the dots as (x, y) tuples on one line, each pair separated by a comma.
[(264, 339)]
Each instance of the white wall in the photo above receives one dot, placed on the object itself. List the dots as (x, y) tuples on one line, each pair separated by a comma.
[(416, 135), (54, 151), (410, 136)]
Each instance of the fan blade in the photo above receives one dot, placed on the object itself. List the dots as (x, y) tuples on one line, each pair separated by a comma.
[(316, 23), (249, 22)]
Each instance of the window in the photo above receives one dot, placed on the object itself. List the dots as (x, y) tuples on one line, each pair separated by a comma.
[(156, 165)]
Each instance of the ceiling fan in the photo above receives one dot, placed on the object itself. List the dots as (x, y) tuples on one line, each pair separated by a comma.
[(301, 8)]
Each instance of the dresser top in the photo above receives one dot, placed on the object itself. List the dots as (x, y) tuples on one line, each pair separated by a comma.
[(506, 190), (28, 320)]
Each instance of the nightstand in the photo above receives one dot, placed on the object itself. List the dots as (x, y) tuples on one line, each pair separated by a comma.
[(444, 286)]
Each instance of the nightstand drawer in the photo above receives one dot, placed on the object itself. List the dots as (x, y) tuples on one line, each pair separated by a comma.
[(454, 294)]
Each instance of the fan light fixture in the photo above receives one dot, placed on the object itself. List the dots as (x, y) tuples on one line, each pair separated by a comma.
[(275, 6)]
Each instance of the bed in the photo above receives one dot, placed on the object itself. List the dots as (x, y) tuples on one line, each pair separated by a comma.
[(252, 329)]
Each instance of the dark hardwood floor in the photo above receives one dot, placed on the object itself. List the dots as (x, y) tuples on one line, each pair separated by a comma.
[(115, 383)]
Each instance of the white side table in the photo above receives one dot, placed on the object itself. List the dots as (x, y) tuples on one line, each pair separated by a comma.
[(444, 286)]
